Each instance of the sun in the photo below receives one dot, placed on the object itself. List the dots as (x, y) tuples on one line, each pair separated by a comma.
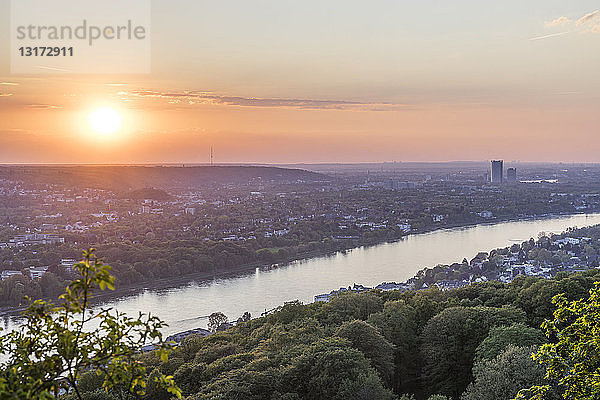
[(105, 120)]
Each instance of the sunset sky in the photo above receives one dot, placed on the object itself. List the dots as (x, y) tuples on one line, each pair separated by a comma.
[(327, 81)]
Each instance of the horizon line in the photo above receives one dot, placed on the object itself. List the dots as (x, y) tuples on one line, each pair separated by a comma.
[(229, 164)]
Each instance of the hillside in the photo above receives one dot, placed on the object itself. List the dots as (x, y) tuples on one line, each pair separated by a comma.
[(471, 343), (124, 178)]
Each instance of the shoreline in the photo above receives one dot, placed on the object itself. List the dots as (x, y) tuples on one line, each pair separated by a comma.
[(241, 270)]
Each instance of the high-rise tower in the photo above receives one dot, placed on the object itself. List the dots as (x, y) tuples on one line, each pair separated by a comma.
[(497, 167), (511, 175)]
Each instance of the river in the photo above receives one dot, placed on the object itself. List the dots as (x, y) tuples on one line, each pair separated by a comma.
[(188, 306)]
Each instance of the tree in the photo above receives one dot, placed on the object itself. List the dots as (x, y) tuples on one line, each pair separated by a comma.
[(573, 358), (502, 336), (51, 285), (55, 345), (289, 312), (375, 347), (348, 306), (215, 320), (397, 322), (502, 377), (244, 318), (331, 369), (543, 255), (450, 340)]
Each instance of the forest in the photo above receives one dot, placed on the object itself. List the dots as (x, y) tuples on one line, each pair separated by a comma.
[(470, 343)]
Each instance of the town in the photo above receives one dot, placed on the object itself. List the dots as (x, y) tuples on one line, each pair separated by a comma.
[(207, 220)]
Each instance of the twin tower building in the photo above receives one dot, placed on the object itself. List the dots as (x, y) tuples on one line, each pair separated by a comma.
[(497, 173)]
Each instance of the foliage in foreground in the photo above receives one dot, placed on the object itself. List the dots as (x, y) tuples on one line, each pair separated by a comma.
[(573, 358), (49, 354)]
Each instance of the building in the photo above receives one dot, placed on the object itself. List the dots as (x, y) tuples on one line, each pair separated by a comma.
[(35, 239), (323, 297), (327, 296), (511, 175), (497, 168), (68, 264), (486, 214), (37, 272), (8, 273), (178, 337), (404, 227)]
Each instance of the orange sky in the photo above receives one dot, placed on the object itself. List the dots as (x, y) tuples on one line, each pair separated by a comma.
[(296, 83)]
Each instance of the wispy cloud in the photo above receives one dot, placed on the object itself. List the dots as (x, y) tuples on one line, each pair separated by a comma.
[(50, 68), (190, 98), (589, 22), (569, 93), (9, 84), (5, 94), (558, 22), (549, 36), (589, 17), (42, 106)]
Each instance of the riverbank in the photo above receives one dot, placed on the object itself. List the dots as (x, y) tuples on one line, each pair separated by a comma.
[(503, 266), (178, 283)]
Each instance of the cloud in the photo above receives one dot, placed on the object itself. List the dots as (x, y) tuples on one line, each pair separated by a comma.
[(5, 94), (51, 68), (558, 22), (589, 22), (588, 18), (8, 84), (42, 106), (549, 36), (191, 98)]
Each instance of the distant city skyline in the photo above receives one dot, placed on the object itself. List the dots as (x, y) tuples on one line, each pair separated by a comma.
[(341, 81)]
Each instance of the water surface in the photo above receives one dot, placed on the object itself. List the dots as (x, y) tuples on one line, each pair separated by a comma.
[(186, 307)]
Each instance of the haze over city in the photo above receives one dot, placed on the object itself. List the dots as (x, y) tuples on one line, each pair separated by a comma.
[(341, 81)]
